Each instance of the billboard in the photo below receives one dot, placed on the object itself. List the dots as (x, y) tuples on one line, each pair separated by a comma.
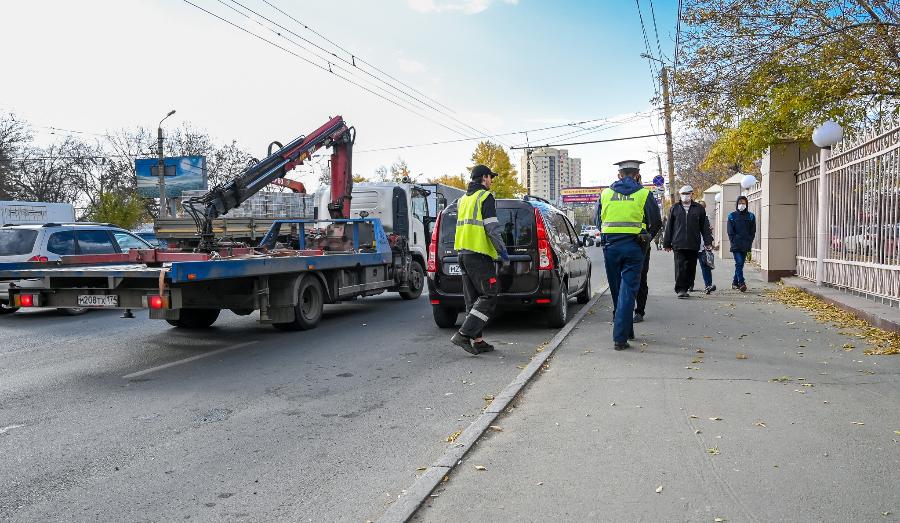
[(182, 173), (580, 194)]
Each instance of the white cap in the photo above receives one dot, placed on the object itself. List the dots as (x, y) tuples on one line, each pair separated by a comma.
[(686, 189), (629, 164)]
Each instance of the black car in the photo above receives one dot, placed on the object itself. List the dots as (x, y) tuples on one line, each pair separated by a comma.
[(548, 263)]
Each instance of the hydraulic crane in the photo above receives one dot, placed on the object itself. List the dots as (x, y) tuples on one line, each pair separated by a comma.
[(221, 199)]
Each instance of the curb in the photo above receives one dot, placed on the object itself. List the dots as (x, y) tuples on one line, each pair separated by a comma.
[(408, 503), (861, 307)]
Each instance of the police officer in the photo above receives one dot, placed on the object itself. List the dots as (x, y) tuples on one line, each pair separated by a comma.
[(622, 212), (479, 244)]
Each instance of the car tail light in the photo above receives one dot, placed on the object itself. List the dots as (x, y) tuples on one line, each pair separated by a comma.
[(435, 302), (542, 301), (545, 254), (432, 247), (38, 259)]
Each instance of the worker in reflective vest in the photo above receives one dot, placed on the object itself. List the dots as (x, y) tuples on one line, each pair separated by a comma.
[(625, 213), (479, 244)]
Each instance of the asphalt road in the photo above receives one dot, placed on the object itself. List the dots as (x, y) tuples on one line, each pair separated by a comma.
[(109, 419)]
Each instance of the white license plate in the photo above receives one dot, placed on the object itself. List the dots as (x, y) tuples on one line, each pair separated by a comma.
[(98, 300), (454, 270)]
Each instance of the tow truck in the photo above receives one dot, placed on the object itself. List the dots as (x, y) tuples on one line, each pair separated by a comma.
[(297, 267)]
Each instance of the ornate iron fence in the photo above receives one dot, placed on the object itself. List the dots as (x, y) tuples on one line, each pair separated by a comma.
[(863, 223), (754, 205)]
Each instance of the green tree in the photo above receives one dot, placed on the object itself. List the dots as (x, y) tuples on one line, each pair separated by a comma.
[(124, 210), (358, 178), (756, 71), (506, 185)]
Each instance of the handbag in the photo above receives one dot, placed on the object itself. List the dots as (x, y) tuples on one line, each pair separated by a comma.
[(710, 259)]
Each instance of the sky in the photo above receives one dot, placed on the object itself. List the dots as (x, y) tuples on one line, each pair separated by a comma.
[(469, 68)]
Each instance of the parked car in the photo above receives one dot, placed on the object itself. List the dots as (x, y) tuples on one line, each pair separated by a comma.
[(548, 263), (51, 241), (860, 240), (590, 235), (150, 237)]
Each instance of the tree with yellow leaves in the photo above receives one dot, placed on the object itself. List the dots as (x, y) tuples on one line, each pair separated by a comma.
[(495, 157)]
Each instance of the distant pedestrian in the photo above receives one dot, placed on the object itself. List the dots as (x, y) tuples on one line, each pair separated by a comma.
[(479, 242), (625, 213), (686, 227), (659, 235), (741, 233), (705, 268)]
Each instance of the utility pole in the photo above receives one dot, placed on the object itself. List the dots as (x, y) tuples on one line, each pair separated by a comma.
[(670, 153), (161, 167)]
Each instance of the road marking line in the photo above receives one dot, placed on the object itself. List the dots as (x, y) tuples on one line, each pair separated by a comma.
[(187, 360), (4, 430)]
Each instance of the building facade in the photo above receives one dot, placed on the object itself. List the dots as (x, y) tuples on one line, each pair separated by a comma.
[(545, 170)]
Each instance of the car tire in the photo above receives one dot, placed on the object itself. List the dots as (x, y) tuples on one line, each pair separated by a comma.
[(445, 317), (417, 282), (309, 307), (78, 311), (585, 295), (559, 313), (6, 309), (195, 318)]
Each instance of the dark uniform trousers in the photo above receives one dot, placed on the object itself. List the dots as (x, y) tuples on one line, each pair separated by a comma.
[(643, 291), (480, 287)]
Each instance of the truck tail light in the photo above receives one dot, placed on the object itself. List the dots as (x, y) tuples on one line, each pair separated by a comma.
[(156, 301), (38, 259), (545, 254), (27, 300), (432, 247)]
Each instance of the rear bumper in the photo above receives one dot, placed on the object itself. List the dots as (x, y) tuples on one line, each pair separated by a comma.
[(547, 289)]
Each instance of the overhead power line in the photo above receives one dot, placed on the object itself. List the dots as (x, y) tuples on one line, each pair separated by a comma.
[(653, 75), (592, 141), (656, 30)]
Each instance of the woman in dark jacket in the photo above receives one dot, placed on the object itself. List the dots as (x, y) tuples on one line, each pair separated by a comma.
[(741, 233), (685, 227)]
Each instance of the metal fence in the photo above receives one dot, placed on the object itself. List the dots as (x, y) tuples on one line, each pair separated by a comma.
[(863, 225), (754, 205)]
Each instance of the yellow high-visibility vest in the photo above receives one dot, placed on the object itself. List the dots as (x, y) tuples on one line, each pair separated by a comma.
[(622, 213), (470, 233)]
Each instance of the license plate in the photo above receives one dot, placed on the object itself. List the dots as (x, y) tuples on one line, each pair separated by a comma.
[(98, 300), (454, 270)]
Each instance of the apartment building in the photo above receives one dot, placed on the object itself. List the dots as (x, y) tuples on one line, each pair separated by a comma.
[(545, 170)]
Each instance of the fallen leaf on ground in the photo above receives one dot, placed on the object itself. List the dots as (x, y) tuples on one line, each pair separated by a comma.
[(488, 397), (694, 417), (782, 379), (897, 432), (741, 356), (713, 450), (806, 385), (659, 489), (700, 351), (697, 360), (480, 467), (858, 423), (612, 404), (715, 419), (720, 520), (452, 437), (539, 483), (761, 423)]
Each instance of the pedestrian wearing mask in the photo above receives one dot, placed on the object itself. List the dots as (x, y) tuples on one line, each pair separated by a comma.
[(625, 213), (705, 268), (687, 232), (741, 233)]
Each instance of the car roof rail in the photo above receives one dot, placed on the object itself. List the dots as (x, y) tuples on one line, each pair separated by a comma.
[(531, 197), (60, 224)]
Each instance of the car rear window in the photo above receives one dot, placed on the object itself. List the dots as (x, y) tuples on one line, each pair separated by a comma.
[(95, 242), (15, 242), (62, 243), (516, 225)]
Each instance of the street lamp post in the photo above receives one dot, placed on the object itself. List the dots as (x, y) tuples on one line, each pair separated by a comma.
[(161, 166), (667, 120), (825, 136)]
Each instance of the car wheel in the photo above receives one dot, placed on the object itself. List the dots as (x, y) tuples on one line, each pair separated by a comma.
[(195, 318), (416, 282), (309, 307), (585, 295), (445, 317), (6, 309), (559, 313), (78, 311)]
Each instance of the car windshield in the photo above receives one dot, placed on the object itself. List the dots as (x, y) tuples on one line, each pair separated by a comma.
[(16, 242)]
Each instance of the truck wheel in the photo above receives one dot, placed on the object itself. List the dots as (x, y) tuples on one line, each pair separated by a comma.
[(416, 282), (585, 295), (6, 309), (308, 310), (559, 314), (445, 317), (195, 318)]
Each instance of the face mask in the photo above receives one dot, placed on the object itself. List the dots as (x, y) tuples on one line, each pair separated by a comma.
[(742, 207), (685, 198)]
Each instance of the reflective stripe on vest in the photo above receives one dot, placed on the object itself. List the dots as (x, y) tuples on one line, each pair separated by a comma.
[(470, 233), (622, 213)]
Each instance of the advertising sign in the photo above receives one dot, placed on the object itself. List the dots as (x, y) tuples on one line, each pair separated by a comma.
[(182, 173), (583, 195)]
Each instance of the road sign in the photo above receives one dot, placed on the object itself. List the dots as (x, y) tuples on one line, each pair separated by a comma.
[(658, 180)]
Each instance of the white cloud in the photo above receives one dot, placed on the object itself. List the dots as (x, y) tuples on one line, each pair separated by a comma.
[(408, 65), (468, 7)]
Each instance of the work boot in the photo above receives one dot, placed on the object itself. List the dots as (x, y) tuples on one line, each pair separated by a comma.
[(638, 317), (482, 346), (621, 346), (461, 340), (710, 289), (734, 286), (743, 287)]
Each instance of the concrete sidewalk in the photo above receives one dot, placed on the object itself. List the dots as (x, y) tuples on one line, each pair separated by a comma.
[(729, 407)]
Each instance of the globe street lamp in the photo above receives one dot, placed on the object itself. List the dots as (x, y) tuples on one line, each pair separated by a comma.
[(824, 136), (161, 166)]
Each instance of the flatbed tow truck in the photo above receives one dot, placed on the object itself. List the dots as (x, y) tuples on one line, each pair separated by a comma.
[(298, 267)]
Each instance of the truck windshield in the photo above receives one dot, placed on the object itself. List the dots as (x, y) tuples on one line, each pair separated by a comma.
[(15, 242)]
